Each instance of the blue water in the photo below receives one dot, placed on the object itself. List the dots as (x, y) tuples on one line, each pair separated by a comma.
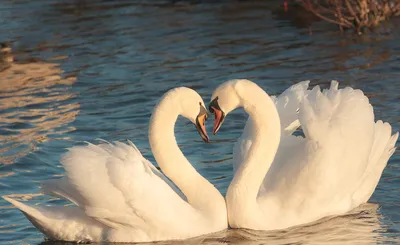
[(95, 69)]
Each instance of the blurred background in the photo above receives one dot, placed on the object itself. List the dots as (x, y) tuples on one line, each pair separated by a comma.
[(73, 71)]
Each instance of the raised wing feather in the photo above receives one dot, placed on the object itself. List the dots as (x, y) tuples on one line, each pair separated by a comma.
[(63, 189), (322, 173), (116, 185), (288, 104)]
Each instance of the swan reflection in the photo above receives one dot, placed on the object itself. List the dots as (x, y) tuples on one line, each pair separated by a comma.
[(360, 226)]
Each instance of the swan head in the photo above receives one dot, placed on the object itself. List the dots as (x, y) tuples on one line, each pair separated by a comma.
[(225, 99), (193, 108)]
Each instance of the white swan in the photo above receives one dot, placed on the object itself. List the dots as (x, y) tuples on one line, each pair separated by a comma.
[(287, 181), (121, 197)]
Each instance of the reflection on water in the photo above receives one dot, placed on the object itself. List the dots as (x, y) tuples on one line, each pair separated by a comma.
[(361, 226), (31, 105), (125, 54)]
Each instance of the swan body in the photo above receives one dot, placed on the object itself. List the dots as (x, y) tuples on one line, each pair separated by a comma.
[(120, 196), (283, 180)]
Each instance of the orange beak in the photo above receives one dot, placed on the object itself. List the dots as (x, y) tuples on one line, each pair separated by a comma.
[(201, 128), (219, 118)]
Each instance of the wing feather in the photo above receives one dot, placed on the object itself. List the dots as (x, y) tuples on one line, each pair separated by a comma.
[(117, 186), (326, 170)]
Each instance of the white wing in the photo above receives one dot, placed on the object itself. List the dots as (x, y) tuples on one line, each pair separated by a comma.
[(338, 164), (115, 188), (287, 105), (120, 187)]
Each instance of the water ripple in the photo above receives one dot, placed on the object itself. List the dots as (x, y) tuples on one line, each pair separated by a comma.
[(95, 69)]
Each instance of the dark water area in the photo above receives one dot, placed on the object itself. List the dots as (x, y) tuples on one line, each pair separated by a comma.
[(95, 69)]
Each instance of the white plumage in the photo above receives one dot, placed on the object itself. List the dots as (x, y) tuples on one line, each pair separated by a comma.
[(333, 169), (121, 197)]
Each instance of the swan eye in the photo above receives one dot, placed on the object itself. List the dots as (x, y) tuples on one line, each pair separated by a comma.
[(203, 111), (214, 105)]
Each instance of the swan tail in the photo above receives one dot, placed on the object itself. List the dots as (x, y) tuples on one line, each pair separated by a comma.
[(33, 214), (59, 223)]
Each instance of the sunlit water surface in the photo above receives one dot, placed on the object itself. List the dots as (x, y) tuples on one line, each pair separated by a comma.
[(95, 69)]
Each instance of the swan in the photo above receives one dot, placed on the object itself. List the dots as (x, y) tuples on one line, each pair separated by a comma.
[(287, 180), (120, 196)]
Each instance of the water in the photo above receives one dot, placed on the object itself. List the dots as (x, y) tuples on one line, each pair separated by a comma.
[(95, 69)]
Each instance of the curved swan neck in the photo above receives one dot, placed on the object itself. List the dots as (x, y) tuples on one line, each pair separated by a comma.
[(267, 133), (200, 193)]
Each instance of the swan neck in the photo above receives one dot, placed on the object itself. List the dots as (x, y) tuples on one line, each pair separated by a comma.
[(198, 191), (266, 139)]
